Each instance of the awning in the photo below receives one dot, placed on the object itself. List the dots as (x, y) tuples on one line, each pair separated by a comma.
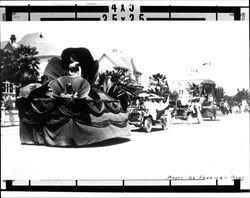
[(208, 81), (143, 95), (154, 96)]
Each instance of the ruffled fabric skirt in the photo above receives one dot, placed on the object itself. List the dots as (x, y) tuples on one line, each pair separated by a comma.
[(71, 122)]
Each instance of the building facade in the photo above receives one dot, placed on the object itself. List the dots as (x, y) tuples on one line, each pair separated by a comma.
[(45, 49), (8, 89), (193, 76), (115, 59)]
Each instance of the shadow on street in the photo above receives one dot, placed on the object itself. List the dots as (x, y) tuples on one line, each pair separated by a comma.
[(143, 131)]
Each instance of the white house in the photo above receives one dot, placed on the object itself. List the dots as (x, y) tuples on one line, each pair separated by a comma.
[(45, 49), (196, 76), (115, 59)]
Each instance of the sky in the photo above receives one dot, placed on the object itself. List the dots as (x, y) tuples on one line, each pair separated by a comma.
[(171, 48)]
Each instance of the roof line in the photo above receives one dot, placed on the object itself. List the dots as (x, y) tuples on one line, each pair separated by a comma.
[(113, 61)]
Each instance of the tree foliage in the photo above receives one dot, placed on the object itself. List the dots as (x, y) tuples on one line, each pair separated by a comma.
[(193, 89), (118, 85), (242, 94), (219, 93), (158, 84), (236, 99), (229, 99), (174, 96), (19, 66)]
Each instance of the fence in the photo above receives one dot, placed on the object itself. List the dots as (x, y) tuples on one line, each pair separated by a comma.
[(9, 117)]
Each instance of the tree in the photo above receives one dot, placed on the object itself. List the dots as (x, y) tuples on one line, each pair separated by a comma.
[(242, 94), (219, 93), (118, 85), (20, 66), (174, 96), (229, 99), (158, 84), (193, 89)]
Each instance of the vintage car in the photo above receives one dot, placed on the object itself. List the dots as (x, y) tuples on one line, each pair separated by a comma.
[(209, 104), (148, 115), (189, 111), (141, 117), (197, 105)]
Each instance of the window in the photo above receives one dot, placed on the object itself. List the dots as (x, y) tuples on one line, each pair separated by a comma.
[(11, 90), (8, 88), (138, 78), (3, 87)]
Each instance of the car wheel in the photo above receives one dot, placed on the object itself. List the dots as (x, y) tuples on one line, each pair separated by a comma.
[(147, 125), (213, 118)]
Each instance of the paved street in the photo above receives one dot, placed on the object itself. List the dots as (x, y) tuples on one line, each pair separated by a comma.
[(211, 149)]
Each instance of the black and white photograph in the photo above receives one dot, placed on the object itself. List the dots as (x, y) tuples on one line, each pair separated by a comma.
[(125, 103)]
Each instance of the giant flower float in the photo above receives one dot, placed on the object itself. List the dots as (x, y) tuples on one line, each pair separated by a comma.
[(68, 111)]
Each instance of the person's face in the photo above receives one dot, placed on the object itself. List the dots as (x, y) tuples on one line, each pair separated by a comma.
[(72, 59)]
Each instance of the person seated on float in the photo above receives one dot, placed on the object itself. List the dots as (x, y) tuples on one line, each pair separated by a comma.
[(74, 66), (160, 110), (152, 105), (152, 108), (210, 98), (190, 109), (69, 92), (142, 105), (198, 106), (194, 109), (137, 103), (74, 71), (146, 103)]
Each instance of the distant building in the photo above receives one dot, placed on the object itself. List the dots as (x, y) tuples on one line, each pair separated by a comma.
[(196, 76), (181, 87), (9, 45), (45, 49), (115, 59)]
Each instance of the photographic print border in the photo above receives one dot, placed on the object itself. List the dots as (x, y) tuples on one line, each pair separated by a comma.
[(121, 11)]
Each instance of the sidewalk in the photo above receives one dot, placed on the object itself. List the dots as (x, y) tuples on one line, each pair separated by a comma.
[(9, 130)]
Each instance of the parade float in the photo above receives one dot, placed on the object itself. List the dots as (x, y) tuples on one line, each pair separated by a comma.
[(210, 107), (201, 103), (65, 109)]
